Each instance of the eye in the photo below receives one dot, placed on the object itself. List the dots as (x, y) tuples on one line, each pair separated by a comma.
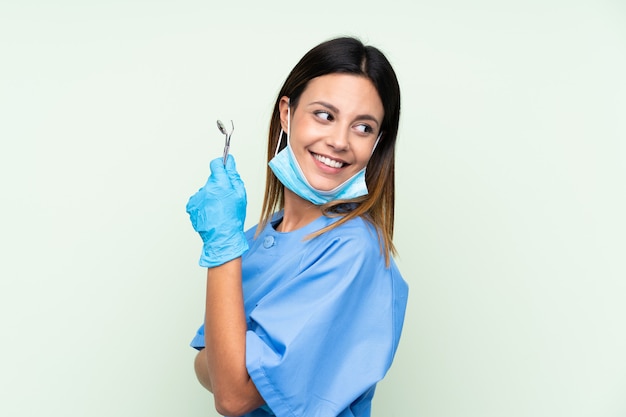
[(324, 115), (364, 128)]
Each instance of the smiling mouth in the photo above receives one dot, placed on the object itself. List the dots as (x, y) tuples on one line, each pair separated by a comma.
[(328, 162)]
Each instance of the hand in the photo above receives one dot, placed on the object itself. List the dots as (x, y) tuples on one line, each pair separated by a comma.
[(217, 212)]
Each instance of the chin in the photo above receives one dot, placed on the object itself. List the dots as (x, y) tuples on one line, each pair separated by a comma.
[(326, 187)]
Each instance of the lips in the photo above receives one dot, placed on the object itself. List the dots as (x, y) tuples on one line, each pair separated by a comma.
[(328, 162)]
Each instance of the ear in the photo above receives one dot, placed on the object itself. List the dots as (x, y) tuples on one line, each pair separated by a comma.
[(283, 110)]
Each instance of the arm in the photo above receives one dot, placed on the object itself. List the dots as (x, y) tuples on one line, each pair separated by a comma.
[(221, 366), (217, 212), (201, 367)]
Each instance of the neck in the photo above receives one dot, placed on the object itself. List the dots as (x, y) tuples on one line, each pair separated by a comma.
[(298, 212)]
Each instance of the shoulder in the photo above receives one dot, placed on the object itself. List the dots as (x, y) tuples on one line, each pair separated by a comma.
[(351, 249), (356, 233), (357, 243)]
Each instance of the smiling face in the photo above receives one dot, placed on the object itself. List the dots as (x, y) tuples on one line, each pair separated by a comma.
[(334, 127)]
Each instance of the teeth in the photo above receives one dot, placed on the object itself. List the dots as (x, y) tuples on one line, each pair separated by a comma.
[(327, 161)]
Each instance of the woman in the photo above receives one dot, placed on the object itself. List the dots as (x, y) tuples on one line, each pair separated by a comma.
[(304, 311)]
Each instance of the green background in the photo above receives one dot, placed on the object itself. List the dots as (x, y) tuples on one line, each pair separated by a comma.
[(510, 196)]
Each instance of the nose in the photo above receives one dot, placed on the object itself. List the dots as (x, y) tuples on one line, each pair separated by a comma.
[(339, 139)]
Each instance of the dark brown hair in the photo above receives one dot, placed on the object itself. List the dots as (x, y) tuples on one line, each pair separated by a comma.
[(351, 56)]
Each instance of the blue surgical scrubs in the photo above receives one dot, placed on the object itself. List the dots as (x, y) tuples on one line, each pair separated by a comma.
[(324, 318)]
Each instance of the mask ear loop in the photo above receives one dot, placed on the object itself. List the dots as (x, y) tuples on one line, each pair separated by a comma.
[(376, 143), (374, 148), (280, 139), (280, 135)]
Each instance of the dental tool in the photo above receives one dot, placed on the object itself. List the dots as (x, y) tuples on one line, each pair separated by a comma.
[(227, 135)]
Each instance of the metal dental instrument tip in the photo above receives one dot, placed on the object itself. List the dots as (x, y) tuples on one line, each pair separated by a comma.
[(227, 135)]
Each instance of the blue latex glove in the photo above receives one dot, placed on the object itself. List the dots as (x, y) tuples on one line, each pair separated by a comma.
[(217, 212)]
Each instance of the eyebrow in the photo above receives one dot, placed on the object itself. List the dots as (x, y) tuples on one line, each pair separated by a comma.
[(336, 110)]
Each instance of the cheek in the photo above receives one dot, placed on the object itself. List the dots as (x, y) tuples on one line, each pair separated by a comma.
[(363, 153), (301, 131), (310, 130), (305, 140)]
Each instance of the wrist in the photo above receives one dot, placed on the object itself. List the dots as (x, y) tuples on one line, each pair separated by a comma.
[(218, 253)]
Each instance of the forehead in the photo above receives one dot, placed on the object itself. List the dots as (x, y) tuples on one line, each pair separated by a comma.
[(348, 92)]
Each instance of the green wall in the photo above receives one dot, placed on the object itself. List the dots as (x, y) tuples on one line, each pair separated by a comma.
[(510, 196)]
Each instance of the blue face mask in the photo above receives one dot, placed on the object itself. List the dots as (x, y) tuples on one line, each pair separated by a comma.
[(286, 168)]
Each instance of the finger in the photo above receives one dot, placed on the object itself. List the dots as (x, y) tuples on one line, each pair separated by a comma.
[(231, 170), (218, 173), (230, 163)]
